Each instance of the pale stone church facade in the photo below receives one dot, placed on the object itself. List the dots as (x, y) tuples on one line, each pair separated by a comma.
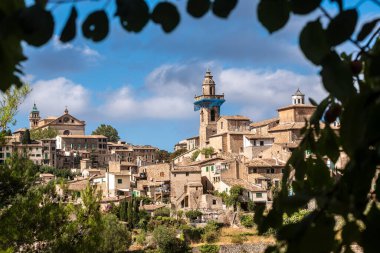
[(65, 124)]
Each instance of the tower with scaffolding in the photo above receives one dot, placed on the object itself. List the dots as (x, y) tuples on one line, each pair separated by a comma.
[(209, 106)]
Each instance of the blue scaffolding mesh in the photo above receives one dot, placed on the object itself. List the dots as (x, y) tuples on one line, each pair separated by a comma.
[(207, 103)]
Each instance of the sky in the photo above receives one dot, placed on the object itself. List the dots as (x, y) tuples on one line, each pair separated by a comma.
[(144, 84)]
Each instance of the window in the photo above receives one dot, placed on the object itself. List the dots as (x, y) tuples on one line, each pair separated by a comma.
[(207, 169), (174, 175), (272, 171), (221, 125), (66, 132), (187, 174), (212, 115), (100, 146), (212, 168), (268, 171), (8, 155), (119, 181), (214, 201), (259, 195), (261, 143)]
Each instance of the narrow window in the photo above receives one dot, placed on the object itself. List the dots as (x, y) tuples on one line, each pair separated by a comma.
[(261, 143), (119, 181), (259, 195), (212, 115)]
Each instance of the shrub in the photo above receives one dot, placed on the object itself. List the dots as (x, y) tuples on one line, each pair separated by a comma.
[(167, 241), (296, 217), (209, 248), (192, 234), (140, 238), (210, 236), (247, 221), (195, 155), (193, 214), (238, 239), (164, 212)]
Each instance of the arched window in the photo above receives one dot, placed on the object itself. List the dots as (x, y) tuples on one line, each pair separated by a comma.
[(202, 116), (210, 90), (66, 132), (212, 115)]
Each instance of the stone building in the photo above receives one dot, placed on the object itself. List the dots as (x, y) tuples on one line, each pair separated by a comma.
[(73, 148), (139, 155), (65, 124), (209, 106)]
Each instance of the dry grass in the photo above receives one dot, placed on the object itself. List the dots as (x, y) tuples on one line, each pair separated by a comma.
[(249, 234)]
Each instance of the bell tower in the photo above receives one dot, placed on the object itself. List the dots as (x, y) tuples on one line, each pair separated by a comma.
[(298, 98), (34, 117), (209, 106)]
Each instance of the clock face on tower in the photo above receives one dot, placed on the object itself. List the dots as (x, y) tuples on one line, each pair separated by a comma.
[(66, 119)]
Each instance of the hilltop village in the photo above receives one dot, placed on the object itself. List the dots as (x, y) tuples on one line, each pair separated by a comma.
[(229, 151)]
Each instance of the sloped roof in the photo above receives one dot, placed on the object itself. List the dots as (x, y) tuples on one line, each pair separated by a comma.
[(78, 136), (262, 162), (296, 106), (243, 183), (179, 169), (264, 122), (259, 136), (287, 126), (234, 117)]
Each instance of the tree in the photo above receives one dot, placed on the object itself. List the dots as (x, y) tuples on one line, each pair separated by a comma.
[(167, 241), (234, 197), (163, 156), (34, 24), (177, 153), (47, 133), (347, 208), (108, 131), (9, 103), (26, 137)]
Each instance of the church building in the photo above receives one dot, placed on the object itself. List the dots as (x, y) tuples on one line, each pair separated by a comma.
[(65, 124)]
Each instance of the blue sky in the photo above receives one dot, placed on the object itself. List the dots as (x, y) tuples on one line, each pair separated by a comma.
[(144, 84)]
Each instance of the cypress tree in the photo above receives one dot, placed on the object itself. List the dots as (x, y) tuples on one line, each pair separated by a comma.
[(26, 137)]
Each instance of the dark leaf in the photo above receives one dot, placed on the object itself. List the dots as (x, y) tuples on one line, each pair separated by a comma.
[(198, 8), (273, 14), (304, 7), (342, 26), (337, 77), (367, 29), (167, 15), (37, 25), (133, 14), (350, 233), (313, 42), (313, 102), (70, 29), (223, 8), (96, 26), (328, 144), (370, 236), (377, 189)]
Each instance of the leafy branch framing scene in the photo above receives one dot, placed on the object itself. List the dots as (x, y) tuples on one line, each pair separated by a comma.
[(210, 183)]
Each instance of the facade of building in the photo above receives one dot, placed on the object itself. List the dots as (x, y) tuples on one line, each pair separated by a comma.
[(65, 124)]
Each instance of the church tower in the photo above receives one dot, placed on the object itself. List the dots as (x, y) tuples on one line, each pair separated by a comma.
[(34, 117), (298, 98), (209, 106)]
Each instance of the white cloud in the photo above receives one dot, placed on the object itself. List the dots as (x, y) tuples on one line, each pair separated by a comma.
[(51, 97), (84, 50)]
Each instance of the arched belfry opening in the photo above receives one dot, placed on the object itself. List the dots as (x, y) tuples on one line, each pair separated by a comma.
[(212, 115)]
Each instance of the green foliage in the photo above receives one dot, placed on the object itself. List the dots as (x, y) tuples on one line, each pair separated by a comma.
[(238, 239), (207, 151), (192, 234), (17, 175), (211, 232), (195, 155), (247, 220), (108, 131), (177, 153), (193, 214), (179, 214), (163, 156), (141, 238), (26, 137), (47, 133), (167, 241), (164, 212), (234, 196), (10, 100), (209, 248), (352, 81), (115, 236), (59, 173)]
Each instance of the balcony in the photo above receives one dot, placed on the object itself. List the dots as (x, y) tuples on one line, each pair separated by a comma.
[(198, 98)]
